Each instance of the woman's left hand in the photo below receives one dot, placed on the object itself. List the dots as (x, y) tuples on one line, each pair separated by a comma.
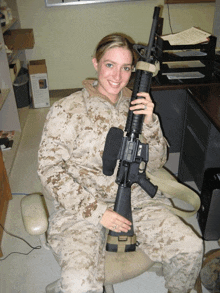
[(143, 106)]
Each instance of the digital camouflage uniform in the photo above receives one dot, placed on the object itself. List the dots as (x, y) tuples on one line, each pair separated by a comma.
[(70, 169)]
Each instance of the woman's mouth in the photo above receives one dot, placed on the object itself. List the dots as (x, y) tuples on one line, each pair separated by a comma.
[(114, 84)]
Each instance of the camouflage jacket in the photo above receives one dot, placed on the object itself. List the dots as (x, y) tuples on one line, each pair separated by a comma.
[(71, 148)]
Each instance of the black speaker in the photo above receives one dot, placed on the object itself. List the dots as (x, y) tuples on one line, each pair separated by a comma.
[(209, 212)]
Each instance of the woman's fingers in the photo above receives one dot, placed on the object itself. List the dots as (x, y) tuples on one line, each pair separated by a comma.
[(119, 223), (143, 105), (121, 226), (115, 222)]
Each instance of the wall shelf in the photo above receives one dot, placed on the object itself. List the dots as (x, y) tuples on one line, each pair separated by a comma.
[(3, 96), (8, 26), (14, 55), (9, 118)]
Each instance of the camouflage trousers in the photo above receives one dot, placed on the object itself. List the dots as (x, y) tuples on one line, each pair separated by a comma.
[(80, 248)]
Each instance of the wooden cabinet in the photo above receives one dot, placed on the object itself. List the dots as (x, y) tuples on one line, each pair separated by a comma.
[(200, 148), (5, 196)]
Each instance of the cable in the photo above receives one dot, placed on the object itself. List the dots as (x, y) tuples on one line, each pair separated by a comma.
[(20, 193), (33, 248), (169, 17)]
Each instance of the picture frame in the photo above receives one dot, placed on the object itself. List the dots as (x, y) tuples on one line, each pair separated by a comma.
[(186, 1), (60, 3)]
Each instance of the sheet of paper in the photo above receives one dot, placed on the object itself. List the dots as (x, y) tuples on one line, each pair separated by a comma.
[(190, 36), (184, 64), (184, 75), (190, 53)]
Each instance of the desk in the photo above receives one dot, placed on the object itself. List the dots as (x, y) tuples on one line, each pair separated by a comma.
[(156, 86), (170, 105), (200, 147), (190, 118), (208, 98)]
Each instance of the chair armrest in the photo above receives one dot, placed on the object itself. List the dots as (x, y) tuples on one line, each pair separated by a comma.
[(34, 214)]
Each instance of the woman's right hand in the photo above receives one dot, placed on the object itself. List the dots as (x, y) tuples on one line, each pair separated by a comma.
[(115, 222)]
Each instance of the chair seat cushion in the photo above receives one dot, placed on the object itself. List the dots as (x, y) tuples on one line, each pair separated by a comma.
[(123, 266)]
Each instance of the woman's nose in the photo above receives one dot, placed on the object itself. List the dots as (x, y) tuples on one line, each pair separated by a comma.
[(117, 74)]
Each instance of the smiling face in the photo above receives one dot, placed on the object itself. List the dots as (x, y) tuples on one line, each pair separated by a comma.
[(114, 71)]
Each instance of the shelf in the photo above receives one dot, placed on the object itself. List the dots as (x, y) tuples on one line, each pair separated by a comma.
[(14, 55), (5, 28), (3, 96)]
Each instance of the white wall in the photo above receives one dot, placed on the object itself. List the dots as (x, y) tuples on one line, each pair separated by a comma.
[(67, 36)]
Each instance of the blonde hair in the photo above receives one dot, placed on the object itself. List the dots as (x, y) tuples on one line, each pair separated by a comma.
[(114, 40)]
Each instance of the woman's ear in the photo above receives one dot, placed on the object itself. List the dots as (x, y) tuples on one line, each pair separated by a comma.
[(95, 63)]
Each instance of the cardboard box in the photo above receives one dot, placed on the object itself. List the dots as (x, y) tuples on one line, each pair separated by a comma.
[(39, 83), (19, 39)]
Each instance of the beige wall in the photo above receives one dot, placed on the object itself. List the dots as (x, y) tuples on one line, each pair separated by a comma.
[(66, 37)]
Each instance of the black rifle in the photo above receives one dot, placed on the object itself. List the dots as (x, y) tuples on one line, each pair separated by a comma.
[(132, 153)]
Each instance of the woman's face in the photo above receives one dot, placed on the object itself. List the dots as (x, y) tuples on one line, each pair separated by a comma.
[(114, 71)]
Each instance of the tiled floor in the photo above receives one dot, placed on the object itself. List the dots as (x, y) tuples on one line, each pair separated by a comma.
[(31, 273)]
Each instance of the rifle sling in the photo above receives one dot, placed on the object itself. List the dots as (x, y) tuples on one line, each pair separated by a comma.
[(145, 66), (168, 184), (121, 241)]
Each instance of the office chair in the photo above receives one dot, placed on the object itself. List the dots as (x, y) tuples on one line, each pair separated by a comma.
[(119, 267)]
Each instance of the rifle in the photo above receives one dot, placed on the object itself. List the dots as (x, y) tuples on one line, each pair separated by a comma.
[(132, 154)]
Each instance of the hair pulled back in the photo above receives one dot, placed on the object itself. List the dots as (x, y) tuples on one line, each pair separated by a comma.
[(114, 40)]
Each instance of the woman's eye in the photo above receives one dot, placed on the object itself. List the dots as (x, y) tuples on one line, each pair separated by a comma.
[(109, 65), (127, 68)]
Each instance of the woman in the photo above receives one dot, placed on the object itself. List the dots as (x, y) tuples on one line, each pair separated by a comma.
[(70, 168)]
